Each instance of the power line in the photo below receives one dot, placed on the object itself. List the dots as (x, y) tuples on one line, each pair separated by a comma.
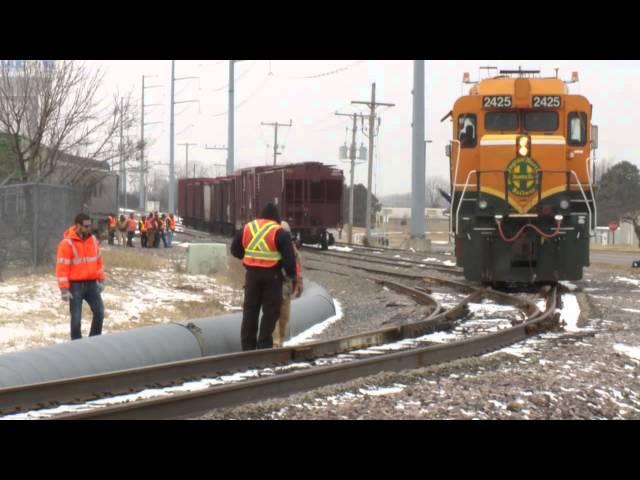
[(331, 72), (217, 89), (245, 100)]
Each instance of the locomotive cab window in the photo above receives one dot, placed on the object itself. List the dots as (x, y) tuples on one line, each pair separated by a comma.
[(501, 121), (467, 130), (540, 121), (577, 126)]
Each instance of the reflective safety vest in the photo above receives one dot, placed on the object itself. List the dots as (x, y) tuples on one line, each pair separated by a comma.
[(259, 242), (141, 226), (78, 259), (172, 224), (112, 221)]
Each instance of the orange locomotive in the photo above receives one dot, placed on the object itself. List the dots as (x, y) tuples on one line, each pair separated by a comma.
[(522, 207)]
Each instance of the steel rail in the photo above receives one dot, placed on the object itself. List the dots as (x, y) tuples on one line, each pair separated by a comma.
[(195, 403), (386, 261), (79, 389)]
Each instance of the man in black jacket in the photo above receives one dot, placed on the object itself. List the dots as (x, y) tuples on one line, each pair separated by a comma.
[(265, 249)]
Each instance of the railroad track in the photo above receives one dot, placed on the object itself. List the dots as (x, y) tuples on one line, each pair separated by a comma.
[(323, 371), (452, 270)]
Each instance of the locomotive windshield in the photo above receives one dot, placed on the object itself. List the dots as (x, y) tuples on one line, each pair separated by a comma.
[(541, 121), (501, 121)]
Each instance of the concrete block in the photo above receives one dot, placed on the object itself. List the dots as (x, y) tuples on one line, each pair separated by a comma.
[(420, 244), (206, 258)]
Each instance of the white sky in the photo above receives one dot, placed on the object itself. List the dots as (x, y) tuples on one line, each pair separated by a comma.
[(317, 133)]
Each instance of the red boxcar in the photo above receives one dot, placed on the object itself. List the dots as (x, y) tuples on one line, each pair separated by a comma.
[(308, 195)]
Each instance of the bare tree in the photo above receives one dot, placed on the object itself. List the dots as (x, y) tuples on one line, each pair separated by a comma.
[(57, 128), (632, 217), (52, 112), (601, 167)]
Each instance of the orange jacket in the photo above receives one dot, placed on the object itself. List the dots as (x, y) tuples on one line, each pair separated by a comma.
[(78, 259), (259, 242), (298, 264)]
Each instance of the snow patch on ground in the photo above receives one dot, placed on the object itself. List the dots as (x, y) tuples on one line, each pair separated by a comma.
[(632, 351), (570, 312), (570, 286), (632, 281), (33, 315)]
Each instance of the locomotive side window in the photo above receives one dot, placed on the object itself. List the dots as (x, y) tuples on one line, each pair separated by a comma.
[(467, 130), (501, 121), (541, 121), (577, 126)]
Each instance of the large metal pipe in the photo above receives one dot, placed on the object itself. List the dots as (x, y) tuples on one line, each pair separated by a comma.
[(151, 345)]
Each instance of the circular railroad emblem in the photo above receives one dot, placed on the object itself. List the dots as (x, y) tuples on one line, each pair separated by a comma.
[(522, 176)]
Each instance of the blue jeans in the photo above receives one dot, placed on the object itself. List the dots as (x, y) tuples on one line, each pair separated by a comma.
[(90, 292), (169, 237)]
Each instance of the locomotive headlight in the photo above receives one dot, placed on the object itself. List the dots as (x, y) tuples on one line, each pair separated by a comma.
[(558, 218), (564, 204), (482, 204), (523, 146)]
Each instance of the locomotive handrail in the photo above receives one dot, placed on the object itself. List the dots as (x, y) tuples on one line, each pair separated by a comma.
[(478, 172), (453, 186), (586, 201), (593, 197), (464, 190)]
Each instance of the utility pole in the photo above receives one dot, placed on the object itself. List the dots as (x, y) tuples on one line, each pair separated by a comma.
[(231, 119), (142, 201), (418, 150), (123, 172), (216, 147), (275, 143), (186, 165), (352, 156), (172, 172), (372, 120)]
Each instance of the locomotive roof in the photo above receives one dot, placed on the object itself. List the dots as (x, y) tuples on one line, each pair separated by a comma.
[(503, 85)]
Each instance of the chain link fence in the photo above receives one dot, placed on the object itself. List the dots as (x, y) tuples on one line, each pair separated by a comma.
[(33, 217)]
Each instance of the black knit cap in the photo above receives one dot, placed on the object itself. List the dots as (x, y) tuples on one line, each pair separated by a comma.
[(270, 212)]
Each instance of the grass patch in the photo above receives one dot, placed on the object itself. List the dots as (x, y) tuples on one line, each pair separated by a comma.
[(123, 258)]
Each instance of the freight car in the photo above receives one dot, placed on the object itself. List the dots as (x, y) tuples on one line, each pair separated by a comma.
[(308, 195), (522, 203)]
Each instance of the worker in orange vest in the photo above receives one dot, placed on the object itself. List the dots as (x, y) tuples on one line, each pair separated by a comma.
[(131, 230), (265, 248), (80, 274), (292, 287), (149, 225), (143, 231), (111, 224), (171, 229)]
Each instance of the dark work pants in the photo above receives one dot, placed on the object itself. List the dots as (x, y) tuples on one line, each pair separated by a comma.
[(263, 289), (130, 238), (90, 292)]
